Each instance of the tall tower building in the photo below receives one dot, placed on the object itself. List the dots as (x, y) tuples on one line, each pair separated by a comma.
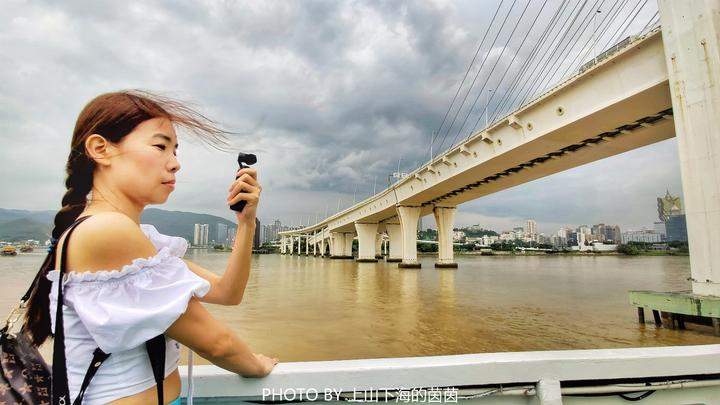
[(222, 233), (531, 229), (200, 237), (668, 205), (670, 212)]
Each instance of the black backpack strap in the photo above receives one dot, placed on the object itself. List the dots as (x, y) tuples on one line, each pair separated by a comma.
[(59, 388), (156, 351), (99, 357)]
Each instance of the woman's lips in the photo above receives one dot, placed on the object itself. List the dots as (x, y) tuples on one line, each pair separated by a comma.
[(170, 184)]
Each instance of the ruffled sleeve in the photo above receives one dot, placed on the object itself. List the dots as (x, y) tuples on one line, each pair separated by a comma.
[(177, 245), (121, 309)]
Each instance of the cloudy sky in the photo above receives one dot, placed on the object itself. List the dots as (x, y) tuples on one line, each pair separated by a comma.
[(330, 95)]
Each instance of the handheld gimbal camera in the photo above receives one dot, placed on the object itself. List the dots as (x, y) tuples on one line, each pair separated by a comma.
[(243, 160)]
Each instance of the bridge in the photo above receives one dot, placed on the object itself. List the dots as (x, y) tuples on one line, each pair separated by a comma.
[(619, 104), (623, 102)]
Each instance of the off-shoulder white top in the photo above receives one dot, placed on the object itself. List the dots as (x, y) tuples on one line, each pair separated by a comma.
[(118, 310)]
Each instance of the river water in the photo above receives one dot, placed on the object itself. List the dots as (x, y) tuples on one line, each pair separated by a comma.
[(309, 308)]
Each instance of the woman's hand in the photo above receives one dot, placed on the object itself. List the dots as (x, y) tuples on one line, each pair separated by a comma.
[(245, 188), (266, 364)]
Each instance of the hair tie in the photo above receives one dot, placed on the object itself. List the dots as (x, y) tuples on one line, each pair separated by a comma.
[(53, 245)]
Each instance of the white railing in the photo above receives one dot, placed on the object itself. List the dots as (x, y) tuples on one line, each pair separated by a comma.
[(546, 375)]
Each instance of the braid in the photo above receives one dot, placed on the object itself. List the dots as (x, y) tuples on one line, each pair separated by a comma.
[(79, 171), (78, 184)]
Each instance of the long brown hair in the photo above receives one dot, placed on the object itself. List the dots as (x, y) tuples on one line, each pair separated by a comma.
[(112, 115)]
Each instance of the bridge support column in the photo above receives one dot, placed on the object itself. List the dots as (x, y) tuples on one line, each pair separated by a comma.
[(336, 240), (367, 234), (307, 244), (323, 246), (395, 236), (347, 246), (408, 226), (691, 34), (282, 245), (315, 243), (338, 245), (445, 218), (378, 245), (299, 249), (291, 244)]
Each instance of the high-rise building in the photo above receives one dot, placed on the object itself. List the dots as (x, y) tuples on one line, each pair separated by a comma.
[(597, 232), (646, 236), (584, 229), (231, 235), (659, 228), (612, 234), (670, 211), (270, 231), (201, 234), (222, 234), (676, 228), (256, 236), (668, 205), (531, 229)]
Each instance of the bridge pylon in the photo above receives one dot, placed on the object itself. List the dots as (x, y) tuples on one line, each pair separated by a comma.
[(409, 216), (444, 219), (367, 236), (395, 236)]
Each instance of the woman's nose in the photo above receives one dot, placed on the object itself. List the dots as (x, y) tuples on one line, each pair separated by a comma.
[(174, 164)]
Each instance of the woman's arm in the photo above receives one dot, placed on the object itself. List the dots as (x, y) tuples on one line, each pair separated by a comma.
[(212, 340), (229, 288)]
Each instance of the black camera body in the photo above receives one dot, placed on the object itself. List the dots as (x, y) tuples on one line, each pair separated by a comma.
[(243, 160)]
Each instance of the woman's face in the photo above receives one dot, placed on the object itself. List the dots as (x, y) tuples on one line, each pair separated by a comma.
[(146, 163)]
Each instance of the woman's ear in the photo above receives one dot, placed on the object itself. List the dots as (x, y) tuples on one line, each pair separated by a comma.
[(98, 149)]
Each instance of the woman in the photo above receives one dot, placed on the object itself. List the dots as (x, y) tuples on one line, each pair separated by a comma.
[(126, 282)]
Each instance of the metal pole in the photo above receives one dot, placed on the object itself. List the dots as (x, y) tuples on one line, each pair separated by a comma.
[(432, 142), (487, 101)]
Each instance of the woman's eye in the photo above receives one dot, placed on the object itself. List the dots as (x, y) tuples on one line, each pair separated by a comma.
[(162, 147)]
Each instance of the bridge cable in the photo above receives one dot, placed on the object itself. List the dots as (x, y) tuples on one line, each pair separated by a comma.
[(628, 20), (482, 41), (621, 33), (584, 54), (482, 64), (519, 48), (534, 61), (541, 85), (555, 45), (527, 63)]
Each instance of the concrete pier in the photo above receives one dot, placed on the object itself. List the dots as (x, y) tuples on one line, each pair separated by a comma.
[(367, 236), (395, 236), (339, 245), (408, 227), (378, 245), (445, 218)]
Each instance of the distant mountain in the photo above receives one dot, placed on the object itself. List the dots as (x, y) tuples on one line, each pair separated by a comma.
[(44, 217), (22, 229), (20, 225)]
